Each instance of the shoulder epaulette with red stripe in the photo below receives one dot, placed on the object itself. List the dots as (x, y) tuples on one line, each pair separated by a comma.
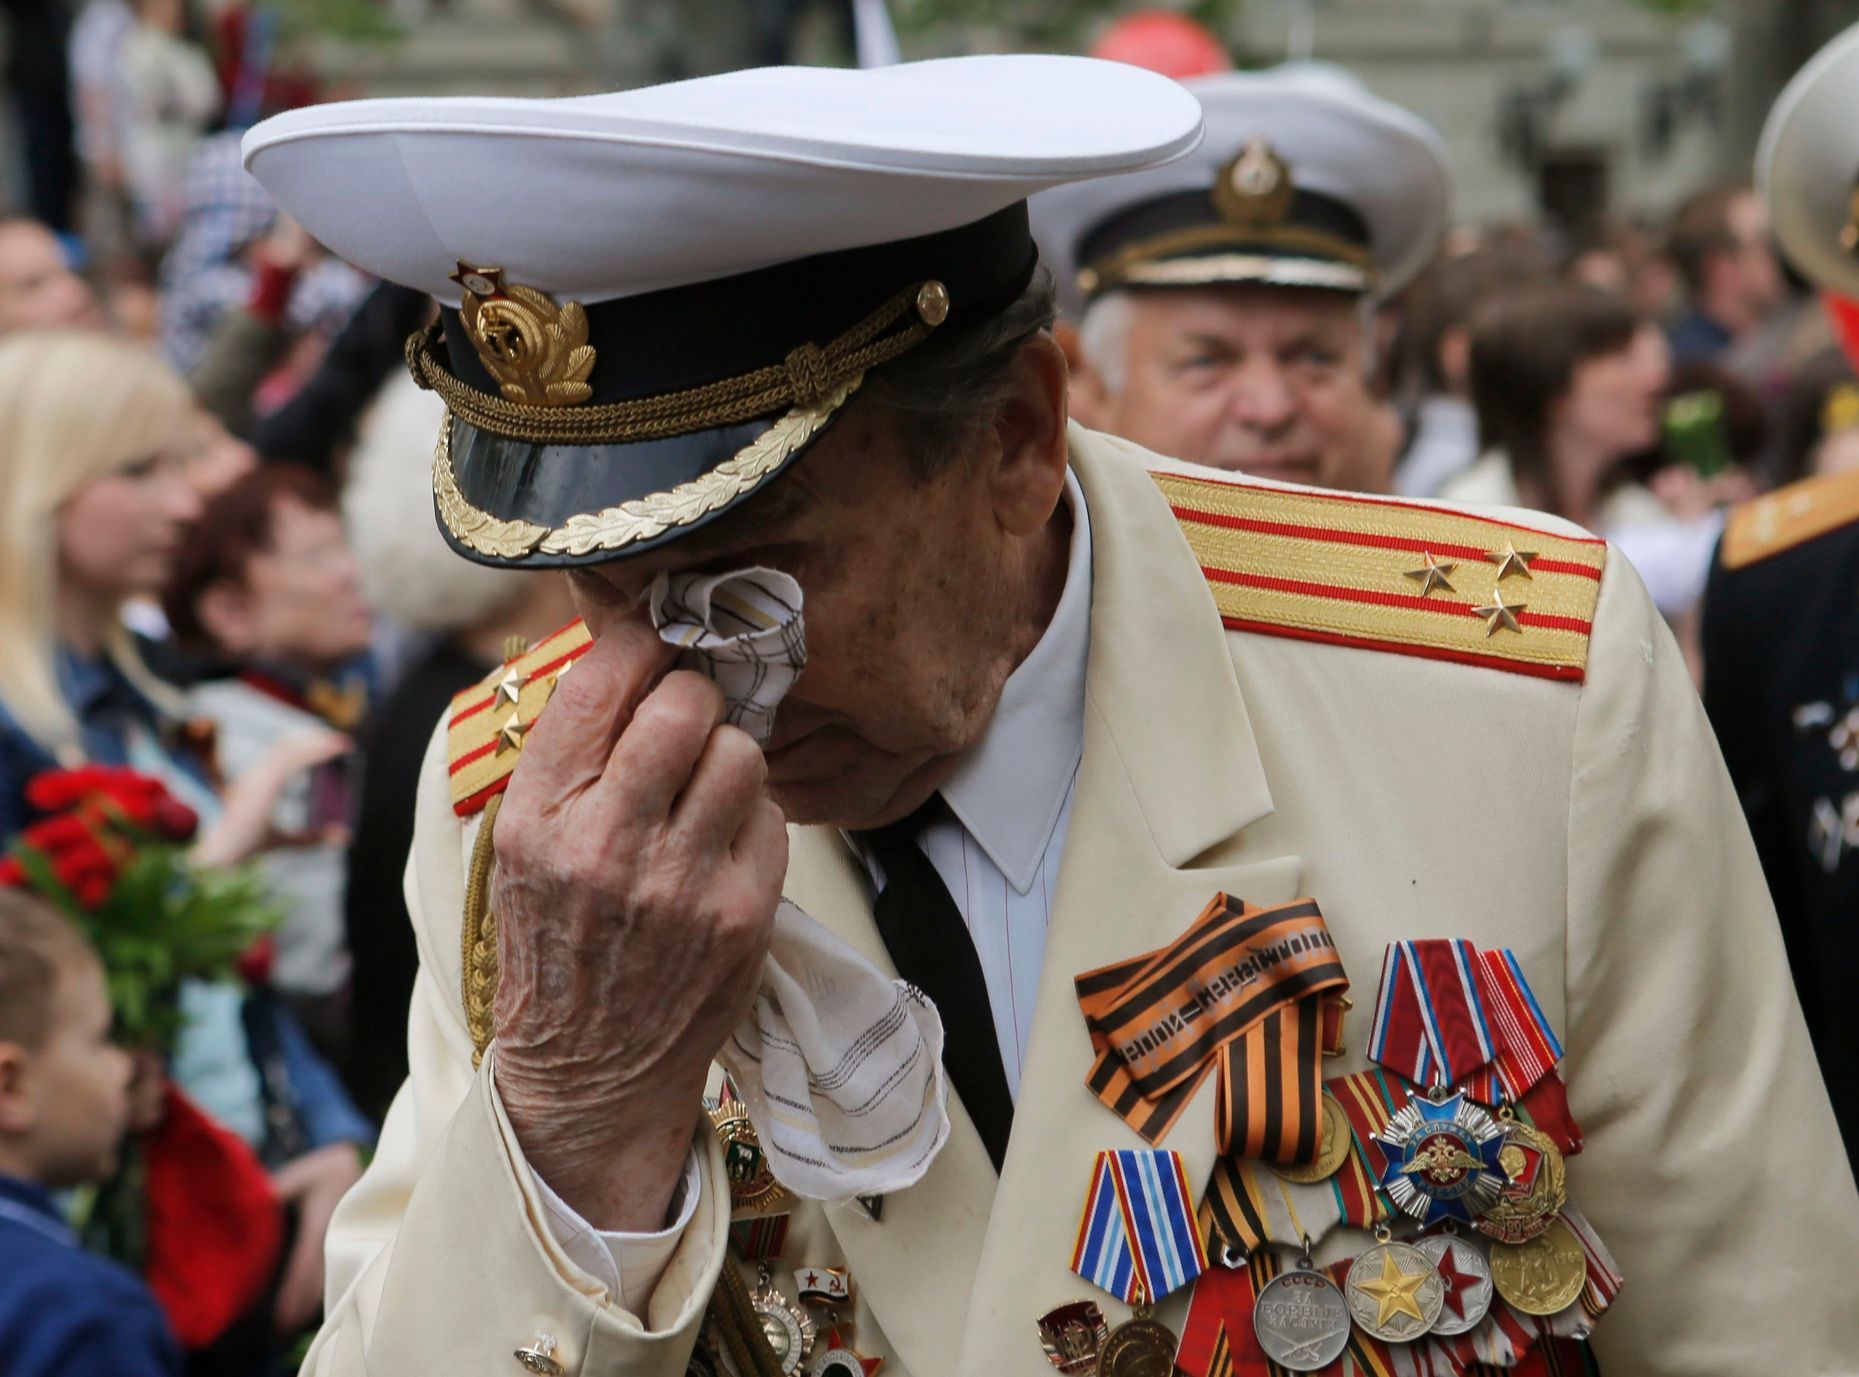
[(484, 735), (1401, 577), (1778, 521)]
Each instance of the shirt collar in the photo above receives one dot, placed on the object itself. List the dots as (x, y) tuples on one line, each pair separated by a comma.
[(29, 1200), (1011, 789)]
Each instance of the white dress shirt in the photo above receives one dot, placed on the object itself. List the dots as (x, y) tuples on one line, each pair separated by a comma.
[(998, 853)]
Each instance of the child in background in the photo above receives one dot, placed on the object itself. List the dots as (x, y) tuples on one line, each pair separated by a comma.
[(64, 1106)]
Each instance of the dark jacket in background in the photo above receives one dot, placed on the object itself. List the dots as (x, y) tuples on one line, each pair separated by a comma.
[(380, 934)]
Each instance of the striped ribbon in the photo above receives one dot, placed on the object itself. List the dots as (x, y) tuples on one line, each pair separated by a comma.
[(1247, 1204), (1136, 1236), (1449, 1014), (1254, 995)]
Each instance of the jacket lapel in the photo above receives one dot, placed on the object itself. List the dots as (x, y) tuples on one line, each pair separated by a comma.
[(1159, 813), (957, 1272)]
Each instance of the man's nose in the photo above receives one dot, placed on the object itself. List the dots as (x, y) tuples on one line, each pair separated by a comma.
[(1263, 398)]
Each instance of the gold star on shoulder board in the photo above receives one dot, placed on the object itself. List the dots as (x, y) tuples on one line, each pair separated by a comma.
[(1434, 575), (510, 735), (1510, 560), (510, 687), (1500, 617)]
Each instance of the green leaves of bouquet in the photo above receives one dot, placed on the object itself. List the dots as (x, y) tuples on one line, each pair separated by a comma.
[(113, 854)]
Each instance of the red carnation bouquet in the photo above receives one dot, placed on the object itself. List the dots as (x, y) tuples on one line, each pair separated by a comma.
[(112, 853), (191, 1207)]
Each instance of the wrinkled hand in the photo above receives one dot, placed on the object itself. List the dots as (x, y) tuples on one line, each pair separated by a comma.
[(315, 1183), (639, 865)]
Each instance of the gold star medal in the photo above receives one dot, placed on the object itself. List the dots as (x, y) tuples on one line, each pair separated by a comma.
[(1432, 575), (1395, 1292)]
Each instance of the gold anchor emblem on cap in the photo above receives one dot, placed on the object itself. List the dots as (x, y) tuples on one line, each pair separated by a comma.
[(1255, 188), (534, 346)]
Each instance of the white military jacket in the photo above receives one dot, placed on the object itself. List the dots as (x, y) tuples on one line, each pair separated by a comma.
[(1274, 709)]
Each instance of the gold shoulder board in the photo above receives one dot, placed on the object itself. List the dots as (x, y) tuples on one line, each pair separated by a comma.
[(484, 736), (1788, 517), (1402, 577)]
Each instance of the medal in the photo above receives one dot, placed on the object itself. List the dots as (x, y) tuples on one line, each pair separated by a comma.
[(1467, 1278), (1442, 1159), (1073, 1335), (1332, 1150), (1536, 1189), (1394, 1291), (1301, 1319), (787, 1328), (1141, 1347), (1544, 1276), (840, 1359), (752, 1185), (823, 1285)]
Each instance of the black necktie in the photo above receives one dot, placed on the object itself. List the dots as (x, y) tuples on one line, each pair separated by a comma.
[(929, 942)]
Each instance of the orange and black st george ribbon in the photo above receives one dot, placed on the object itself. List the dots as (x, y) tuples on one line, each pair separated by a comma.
[(1252, 994)]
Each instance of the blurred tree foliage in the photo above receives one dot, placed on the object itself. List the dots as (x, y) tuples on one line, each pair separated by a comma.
[(349, 21)]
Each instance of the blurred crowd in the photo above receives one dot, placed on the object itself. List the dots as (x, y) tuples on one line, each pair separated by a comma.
[(218, 565)]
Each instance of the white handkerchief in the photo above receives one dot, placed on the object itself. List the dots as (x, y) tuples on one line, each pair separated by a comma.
[(839, 1066), (741, 629)]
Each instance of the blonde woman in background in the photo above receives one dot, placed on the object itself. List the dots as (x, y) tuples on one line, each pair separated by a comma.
[(96, 436)]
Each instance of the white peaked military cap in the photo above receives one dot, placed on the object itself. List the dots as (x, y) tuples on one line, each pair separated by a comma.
[(1807, 167), (654, 301), (1304, 179)]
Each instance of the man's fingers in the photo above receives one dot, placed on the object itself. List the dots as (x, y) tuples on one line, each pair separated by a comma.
[(761, 842), (657, 752), (723, 788), (589, 709)]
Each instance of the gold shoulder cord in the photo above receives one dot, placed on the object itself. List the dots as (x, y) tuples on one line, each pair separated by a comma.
[(478, 960)]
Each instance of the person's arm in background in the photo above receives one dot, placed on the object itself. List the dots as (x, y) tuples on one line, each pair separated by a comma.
[(251, 340), (316, 423)]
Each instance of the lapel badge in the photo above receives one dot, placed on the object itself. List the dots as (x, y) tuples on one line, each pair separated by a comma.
[(1444, 1159), (752, 1185), (823, 1285), (1072, 1336), (535, 347)]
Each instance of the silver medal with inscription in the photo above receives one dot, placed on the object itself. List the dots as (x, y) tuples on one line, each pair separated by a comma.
[(1301, 1319)]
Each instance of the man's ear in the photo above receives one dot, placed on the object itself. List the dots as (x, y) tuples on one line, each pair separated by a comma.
[(1090, 399), (17, 1112), (228, 613), (1029, 427)]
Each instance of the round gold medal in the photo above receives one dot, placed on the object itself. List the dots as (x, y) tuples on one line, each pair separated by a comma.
[(1544, 1276), (1332, 1149), (1536, 1191), (1143, 1347)]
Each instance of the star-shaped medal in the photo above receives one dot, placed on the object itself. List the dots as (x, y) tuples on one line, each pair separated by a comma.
[(1433, 575), (1395, 1292), (1443, 1159)]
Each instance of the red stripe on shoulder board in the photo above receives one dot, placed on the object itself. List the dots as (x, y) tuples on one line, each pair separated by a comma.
[(474, 803), (539, 672), (1370, 540), (1566, 673), (1357, 499)]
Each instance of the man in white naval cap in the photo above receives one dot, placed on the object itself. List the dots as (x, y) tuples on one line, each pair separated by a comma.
[(1781, 622), (1101, 775), (1224, 302)]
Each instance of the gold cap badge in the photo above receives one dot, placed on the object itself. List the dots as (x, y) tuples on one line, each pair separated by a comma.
[(535, 347), (1255, 188)]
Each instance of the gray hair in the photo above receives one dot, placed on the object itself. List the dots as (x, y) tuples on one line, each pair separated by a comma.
[(947, 388)]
